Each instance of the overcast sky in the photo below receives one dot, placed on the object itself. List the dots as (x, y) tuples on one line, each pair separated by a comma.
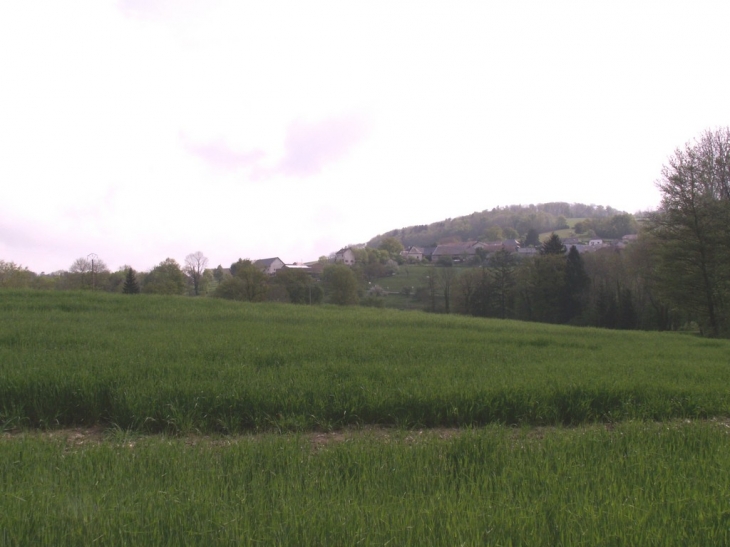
[(147, 129)]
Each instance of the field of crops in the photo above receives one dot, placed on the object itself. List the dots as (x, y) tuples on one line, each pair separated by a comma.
[(180, 365), (567, 436), (638, 484)]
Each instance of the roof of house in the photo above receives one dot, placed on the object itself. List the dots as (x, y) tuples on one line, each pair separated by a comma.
[(266, 262)]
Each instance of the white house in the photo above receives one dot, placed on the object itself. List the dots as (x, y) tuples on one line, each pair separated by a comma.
[(345, 256), (269, 265)]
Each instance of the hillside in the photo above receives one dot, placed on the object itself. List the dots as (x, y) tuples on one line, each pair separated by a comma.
[(511, 222)]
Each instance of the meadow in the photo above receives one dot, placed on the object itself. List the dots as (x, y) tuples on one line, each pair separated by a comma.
[(178, 421), (635, 484), (181, 365)]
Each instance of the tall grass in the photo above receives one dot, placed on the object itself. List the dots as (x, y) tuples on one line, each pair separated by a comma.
[(639, 484), (165, 364)]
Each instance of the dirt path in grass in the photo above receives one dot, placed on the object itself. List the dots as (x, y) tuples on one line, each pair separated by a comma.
[(96, 435), (80, 436)]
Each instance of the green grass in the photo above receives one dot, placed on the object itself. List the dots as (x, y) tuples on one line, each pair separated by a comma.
[(635, 470), (639, 484), (180, 365), (565, 232)]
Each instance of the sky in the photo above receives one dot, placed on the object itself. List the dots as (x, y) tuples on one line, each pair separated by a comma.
[(145, 129)]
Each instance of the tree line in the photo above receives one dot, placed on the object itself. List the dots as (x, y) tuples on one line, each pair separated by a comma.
[(677, 275)]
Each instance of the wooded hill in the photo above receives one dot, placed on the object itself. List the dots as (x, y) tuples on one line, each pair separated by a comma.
[(513, 222)]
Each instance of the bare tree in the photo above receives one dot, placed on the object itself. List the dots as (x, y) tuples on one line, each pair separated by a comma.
[(195, 264), (86, 270)]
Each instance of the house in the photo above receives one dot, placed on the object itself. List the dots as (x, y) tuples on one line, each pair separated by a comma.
[(428, 252), (269, 265), (453, 251), (511, 245), (595, 242), (345, 256), (413, 254)]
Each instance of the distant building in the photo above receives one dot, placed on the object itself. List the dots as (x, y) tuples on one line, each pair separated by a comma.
[(413, 253), (269, 265), (345, 256), (455, 251)]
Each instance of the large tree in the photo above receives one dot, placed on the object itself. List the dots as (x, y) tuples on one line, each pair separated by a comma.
[(576, 286), (692, 228), (502, 265), (89, 272), (195, 264), (341, 284), (248, 283), (130, 283), (165, 278)]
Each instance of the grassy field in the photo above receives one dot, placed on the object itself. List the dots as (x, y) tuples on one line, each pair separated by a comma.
[(180, 365), (295, 425), (565, 232), (637, 484)]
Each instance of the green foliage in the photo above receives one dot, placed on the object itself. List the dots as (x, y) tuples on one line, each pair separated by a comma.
[(177, 365), (14, 276), (575, 290), (614, 227), (219, 273), (493, 233), (631, 484), (692, 228), (130, 283), (541, 284), (392, 246), (372, 302), (300, 287), (513, 220), (510, 233), (553, 246), (445, 261), (248, 283), (341, 284), (166, 278), (532, 239)]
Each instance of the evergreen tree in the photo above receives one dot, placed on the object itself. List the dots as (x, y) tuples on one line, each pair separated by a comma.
[(553, 246), (576, 286), (130, 283), (532, 238), (503, 265)]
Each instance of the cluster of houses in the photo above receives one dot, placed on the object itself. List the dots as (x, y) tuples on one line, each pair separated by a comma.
[(455, 251), (468, 249)]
